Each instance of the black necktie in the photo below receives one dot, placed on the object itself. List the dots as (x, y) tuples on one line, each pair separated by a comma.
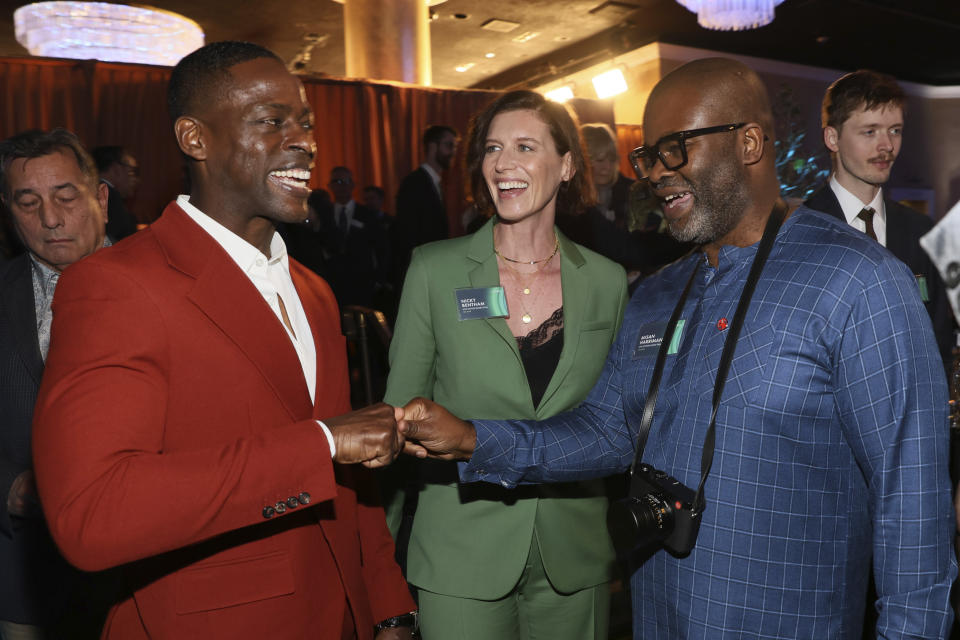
[(866, 214)]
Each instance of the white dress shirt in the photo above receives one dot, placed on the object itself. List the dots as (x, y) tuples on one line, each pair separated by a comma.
[(347, 210), (271, 276), (852, 205)]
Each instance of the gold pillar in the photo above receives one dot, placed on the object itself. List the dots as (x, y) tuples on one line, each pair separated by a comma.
[(387, 40)]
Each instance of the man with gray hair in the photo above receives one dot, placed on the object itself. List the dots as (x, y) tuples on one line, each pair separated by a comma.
[(57, 207)]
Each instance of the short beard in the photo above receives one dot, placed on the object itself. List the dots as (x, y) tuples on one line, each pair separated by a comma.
[(720, 200)]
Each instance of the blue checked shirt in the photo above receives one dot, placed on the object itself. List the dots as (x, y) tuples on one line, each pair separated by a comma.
[(831, 443)]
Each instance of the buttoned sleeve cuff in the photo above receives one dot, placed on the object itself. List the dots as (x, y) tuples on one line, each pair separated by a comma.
[(490, 461), (326, 432)]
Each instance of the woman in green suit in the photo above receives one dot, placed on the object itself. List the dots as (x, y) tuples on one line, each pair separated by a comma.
[(532, 562)]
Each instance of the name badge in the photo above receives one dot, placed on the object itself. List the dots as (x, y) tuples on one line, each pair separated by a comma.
[(922, 285), (482, 302), (650, 337)]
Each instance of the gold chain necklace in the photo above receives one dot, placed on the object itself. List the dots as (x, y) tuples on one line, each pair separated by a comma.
[(556, 247), (526, 288)]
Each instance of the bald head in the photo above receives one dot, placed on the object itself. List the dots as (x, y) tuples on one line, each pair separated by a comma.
[(721, 89), (708, 126)]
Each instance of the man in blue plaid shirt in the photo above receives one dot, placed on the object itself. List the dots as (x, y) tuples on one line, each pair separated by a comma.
[(831, 435)]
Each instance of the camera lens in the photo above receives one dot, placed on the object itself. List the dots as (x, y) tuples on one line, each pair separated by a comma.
[(637, 522)]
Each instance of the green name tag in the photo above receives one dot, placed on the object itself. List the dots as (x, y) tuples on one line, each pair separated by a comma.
[(922, 285), (651, 335), (482, 302)]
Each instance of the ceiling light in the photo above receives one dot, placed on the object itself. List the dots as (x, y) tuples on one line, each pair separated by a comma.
[(526, 36), (609, 83), (101, 31), (732, 15), (560, 94), (490, 55), (465, 67), (500, 26)]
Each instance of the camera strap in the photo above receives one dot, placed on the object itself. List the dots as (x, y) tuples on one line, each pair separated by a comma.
[(706, 461)]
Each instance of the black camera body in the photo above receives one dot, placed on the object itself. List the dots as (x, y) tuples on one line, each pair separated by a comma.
[(658, 509)]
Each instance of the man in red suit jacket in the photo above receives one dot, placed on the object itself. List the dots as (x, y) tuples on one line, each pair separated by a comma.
[(193, 422)]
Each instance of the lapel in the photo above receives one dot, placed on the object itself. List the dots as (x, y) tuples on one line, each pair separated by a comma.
[(230, 301), (486, 274), (900, 242), (331, 394), (20, 314), (826, 201), (432, 187), (574, 284)]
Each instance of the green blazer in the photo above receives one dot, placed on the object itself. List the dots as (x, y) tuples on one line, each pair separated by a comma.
[(472, 540)]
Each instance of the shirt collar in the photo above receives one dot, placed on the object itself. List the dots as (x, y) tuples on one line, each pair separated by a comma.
[(45, 275), (852, 205), (242, 252)]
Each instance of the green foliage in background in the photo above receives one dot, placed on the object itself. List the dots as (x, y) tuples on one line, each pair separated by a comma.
[(800, 170)]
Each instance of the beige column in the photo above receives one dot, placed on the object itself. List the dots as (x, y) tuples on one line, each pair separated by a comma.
[(387, 40)]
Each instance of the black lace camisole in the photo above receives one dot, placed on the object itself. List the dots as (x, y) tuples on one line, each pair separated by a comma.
[(540, 352)]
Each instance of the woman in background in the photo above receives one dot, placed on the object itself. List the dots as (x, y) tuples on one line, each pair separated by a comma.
[(532, 562)]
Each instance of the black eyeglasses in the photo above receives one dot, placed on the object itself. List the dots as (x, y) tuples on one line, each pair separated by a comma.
[(671, 149)]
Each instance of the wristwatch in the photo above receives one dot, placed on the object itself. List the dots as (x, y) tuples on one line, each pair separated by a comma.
[(405, 620)]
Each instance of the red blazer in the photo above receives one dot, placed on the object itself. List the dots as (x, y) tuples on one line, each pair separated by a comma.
[(172, 411)]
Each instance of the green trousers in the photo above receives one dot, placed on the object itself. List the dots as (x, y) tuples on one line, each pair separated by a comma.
[(533, 610)]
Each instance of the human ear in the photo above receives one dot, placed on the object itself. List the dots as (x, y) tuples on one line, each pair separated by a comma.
[(103, 197), (566, 168), (831, 139), (754, 143), (189, 134)]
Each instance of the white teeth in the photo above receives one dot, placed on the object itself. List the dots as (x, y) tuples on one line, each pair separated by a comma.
[(674, 196), (296, 174), (516, 184)]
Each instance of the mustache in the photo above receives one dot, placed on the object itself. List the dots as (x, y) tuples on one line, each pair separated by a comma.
[(883, 157), (672, 181)]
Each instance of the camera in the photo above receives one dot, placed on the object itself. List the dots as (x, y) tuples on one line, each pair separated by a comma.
[(659, 509)]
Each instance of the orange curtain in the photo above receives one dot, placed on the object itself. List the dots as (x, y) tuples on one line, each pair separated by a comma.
[(373, 128), (129, 106), (43, 94)]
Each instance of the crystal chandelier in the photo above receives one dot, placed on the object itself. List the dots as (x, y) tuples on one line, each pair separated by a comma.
[(732, 15), (101, 31)]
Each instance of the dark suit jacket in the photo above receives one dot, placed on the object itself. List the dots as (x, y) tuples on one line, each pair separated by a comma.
[(172, 413), (120, 221), (904, 228), (356, 264), (421, 217), (32, 572)]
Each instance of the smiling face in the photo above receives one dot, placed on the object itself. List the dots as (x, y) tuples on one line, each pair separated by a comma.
[(704, 200), (866, 145), (254, 144), (521, 166), (57, 212)]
